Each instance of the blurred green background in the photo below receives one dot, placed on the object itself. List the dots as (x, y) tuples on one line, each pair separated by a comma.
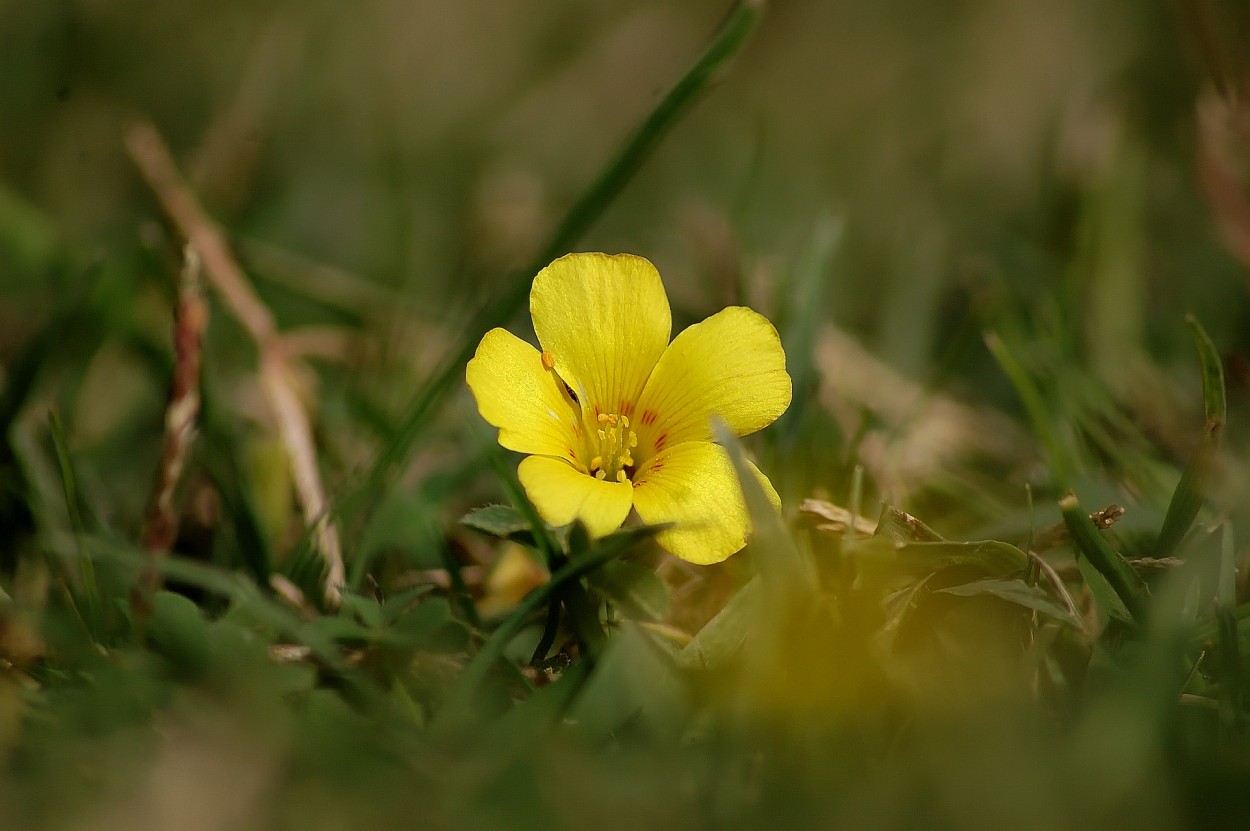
[(887, 181)]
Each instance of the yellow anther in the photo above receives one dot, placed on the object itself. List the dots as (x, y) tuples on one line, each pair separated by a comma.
[(549, 360), (610, 456)]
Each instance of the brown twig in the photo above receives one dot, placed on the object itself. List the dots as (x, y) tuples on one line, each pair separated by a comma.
[(160, 524), (277, 380)]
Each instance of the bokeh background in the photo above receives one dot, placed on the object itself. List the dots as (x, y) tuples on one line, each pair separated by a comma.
[(888, 181), (914, 174)]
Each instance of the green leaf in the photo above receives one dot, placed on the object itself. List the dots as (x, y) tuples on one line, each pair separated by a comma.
[(500, 521), (426, 619), (636, 589), (399, 604), (336, 629), (366, 610), (177, 631), (1020, 593), (634, 687)]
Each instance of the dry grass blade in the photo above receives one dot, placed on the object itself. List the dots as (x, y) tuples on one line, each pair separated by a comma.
[(925, 432), (160, 525), (152, 156)]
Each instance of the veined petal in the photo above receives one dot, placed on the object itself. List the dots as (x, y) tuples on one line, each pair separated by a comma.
[(605, 321), (562, 493), (731, 365), (693, 486), (525, 400)]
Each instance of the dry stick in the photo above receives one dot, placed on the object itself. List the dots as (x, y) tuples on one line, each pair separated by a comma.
[(160, 524), (152, 156)]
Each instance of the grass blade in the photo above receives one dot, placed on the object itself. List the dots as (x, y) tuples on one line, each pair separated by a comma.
[(1034, 406), (1126, 582), (1191, 490), (86, 568), (782, 566)]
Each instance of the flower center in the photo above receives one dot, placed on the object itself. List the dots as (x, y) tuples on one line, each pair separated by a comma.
[(611, 443)]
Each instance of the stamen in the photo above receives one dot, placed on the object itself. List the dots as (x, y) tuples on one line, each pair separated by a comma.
[(610, 456), (549, 360)]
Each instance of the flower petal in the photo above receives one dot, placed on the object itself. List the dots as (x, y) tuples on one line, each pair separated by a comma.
[(562, 493), (730, 365), (693, 485), (605, 320), (526, 401)]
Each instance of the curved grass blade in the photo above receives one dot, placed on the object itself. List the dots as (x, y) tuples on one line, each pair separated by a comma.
[(1191, 490), (1034, 406)]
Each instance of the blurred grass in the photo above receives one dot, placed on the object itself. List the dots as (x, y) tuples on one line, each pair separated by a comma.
[(979, 229)]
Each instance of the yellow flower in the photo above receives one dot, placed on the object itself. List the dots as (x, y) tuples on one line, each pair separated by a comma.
[(613, 416)]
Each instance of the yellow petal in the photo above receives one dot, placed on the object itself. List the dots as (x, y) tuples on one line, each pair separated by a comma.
[(693, 485), (562, 493), (527, 402), (731, 365), (605, 322)]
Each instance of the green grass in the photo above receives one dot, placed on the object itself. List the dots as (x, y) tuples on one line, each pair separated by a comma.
[(1010, 299)]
